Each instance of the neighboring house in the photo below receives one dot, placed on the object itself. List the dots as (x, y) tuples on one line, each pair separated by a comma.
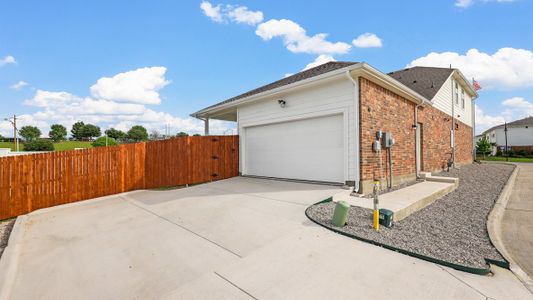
[(519, 136), (320, 124)]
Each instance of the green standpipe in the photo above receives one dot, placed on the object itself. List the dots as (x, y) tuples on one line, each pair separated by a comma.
[(341, 214)]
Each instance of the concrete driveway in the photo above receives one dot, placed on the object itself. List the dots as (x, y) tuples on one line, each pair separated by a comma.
[(240, 238)]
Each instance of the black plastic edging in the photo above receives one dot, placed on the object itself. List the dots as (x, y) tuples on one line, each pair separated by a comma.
[(455, 266)]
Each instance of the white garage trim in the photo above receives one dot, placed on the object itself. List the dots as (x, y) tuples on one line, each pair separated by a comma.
[(313, 115)]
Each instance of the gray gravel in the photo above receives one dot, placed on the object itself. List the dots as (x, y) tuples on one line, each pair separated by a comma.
[(5, 230), (452, 229)]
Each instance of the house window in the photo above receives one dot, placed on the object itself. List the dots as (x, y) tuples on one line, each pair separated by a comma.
[(456, 94), (463, 98)]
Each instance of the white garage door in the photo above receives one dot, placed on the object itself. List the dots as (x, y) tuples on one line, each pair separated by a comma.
[(309, 149)]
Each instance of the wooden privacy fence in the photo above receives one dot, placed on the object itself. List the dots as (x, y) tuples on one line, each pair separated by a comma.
[(30, 182)]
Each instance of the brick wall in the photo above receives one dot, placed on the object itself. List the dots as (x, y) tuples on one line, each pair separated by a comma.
[(383, 109)]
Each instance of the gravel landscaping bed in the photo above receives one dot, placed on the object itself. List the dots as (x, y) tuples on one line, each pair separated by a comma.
[(452, 229), (5, 230)]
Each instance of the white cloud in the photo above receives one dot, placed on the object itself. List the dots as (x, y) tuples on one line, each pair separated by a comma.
[(511, 109), (241, 14), (7, 60), (468, 3), (506, 68), (19, 85), (213, 12), (138, 86), (296, 40), (237, 14), (484, 121), (51, 99), (367, 40), (517, 108), (112, 105), (321, 59), (464, 3)]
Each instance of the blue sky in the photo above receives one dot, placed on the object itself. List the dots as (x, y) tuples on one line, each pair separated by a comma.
[(118, 63)]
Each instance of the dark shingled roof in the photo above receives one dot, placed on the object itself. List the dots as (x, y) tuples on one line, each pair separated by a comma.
[(318, 70), (424, 80), (525, 121), (521, 122)]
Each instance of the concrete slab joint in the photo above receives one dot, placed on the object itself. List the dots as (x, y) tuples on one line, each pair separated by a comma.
[(494, 227)]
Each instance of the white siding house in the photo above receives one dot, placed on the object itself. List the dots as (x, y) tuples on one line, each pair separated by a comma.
[(462, 101), (317, 148), (519, 134)]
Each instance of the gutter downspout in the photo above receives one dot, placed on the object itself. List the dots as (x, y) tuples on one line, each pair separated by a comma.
[(355, 83), (206, 125), (417, 141)]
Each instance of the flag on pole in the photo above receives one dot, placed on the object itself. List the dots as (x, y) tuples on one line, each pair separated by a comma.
[(476, 85)]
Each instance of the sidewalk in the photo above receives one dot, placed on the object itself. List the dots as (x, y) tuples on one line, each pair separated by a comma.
[(516, 226)]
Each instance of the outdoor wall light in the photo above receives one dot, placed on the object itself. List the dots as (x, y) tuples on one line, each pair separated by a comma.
[(282, 103)]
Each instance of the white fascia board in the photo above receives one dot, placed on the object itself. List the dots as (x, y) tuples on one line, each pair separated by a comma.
[(360, 69), (277, 90), (467, 83), (393, 84)]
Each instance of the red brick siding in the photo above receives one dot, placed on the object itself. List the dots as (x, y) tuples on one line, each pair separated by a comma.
[(383, 109)]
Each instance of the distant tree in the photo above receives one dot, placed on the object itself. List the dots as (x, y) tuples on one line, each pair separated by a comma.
[(118, 135), (181, 134), (196, 134), (90, 131), (483, 146), (39, 145), (1, 138), (30, 133), (155, 135), (137, 133), (101, 142), (58, 132), (77, 130)]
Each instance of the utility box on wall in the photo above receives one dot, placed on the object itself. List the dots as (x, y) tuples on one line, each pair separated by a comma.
[(388, 141)]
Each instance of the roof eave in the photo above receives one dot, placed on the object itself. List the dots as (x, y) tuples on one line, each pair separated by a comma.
[(468, 84), (202, 113), (355, 69)]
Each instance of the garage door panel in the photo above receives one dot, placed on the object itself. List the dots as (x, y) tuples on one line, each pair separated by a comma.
[(309, 149)]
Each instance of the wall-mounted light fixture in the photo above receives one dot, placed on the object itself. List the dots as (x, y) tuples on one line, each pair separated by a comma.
[(282, 103)]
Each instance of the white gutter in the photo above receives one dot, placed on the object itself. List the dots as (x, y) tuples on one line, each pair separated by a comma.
[(355, 83), (362, 68)]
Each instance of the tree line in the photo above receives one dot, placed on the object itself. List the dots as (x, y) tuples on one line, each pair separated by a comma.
[(85, 132)]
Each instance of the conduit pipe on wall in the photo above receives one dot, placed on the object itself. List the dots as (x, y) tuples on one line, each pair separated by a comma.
[(355, 83), (417, 167)]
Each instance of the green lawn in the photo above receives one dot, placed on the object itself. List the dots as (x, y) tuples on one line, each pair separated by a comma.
[(502, 158), (70, 145), (10, 145), (61, 146)]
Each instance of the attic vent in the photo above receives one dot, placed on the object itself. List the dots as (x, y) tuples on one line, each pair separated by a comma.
[(432, 84)]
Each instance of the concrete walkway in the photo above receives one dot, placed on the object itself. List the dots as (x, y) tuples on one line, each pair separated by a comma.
[(517, 221), (404, 201), (240, 238)]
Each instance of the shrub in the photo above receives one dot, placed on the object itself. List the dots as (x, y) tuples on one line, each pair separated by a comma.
[(521, 152), (101, 142), (39, 145)]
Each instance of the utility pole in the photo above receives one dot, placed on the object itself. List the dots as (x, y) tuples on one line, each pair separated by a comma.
[(506, 149), (15, 129)]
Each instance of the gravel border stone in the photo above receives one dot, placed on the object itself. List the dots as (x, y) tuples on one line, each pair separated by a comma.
[(5, 231), (453, 228)]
